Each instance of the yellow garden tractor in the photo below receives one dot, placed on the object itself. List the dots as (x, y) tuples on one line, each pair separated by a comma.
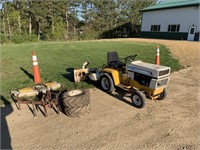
[(143, 80)]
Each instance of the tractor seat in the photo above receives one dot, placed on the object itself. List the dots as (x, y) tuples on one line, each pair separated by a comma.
[(113, 60)]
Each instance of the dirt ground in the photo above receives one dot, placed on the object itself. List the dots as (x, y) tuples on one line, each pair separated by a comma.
[(113, 123)]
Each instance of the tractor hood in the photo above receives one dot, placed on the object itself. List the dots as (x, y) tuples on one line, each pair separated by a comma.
[(152, 70)]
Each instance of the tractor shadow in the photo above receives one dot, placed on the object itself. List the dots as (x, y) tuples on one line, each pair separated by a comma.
[(118, 93), (69, 75)]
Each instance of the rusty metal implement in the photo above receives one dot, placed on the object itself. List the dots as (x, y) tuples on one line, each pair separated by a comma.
[(46, 95)]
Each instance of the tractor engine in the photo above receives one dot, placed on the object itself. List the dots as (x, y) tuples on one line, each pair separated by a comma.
[(149, 75)]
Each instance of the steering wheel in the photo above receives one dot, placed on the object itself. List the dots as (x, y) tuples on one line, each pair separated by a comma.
[(130, 58)]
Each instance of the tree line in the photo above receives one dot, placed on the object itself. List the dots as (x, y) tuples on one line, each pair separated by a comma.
[(31, 20)]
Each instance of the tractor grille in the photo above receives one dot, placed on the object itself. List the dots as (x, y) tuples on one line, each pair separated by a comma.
[(162, 83), (165, 72)]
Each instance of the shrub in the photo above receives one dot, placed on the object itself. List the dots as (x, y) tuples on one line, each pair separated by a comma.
[(17, 39), (4, 39), (89, 35), (30, 38)]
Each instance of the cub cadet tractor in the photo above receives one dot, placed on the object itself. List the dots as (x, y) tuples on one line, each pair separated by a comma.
[(140, 78)]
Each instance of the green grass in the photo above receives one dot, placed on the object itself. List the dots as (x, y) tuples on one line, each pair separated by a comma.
[(55, 57)]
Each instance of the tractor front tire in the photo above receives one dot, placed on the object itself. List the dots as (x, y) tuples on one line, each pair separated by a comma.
[(76, 103), (138, 99), (107, 84), (163, 95)]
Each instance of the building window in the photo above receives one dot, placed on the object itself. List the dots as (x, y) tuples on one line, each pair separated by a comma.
[(174, 28), (155, 28), (192, 31)]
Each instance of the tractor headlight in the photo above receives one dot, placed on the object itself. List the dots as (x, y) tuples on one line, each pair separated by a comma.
[(163, 82), (159, 84)]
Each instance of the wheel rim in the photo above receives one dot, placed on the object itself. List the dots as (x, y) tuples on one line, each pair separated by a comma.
[(136, 100), (74, 92), (105, 83), (161, 95)]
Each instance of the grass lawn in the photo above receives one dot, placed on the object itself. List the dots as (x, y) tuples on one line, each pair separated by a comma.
[(56, 60)]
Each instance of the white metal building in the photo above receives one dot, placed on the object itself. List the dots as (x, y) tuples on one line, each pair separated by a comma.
[(172, 19)]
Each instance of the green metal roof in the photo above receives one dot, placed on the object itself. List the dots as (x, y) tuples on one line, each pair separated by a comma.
[(165, 4)]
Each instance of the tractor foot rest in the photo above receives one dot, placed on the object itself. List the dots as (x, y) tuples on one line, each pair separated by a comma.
[(124, 86)]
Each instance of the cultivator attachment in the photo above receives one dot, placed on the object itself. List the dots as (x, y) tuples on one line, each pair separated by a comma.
[(46, 95)]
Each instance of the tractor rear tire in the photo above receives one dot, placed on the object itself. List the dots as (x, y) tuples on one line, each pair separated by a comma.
[(107, 84), (76, 103), (163, 95), (138, 99)]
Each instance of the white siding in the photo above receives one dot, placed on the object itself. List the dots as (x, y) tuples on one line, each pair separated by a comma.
[(186, 17)]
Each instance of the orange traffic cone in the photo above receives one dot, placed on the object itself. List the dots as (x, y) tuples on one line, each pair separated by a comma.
[(35, 68), (157, 61)]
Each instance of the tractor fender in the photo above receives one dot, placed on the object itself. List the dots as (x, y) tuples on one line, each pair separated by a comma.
[(114, 74)]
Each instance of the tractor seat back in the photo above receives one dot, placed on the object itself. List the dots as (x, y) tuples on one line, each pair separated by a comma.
[(113, 60)]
